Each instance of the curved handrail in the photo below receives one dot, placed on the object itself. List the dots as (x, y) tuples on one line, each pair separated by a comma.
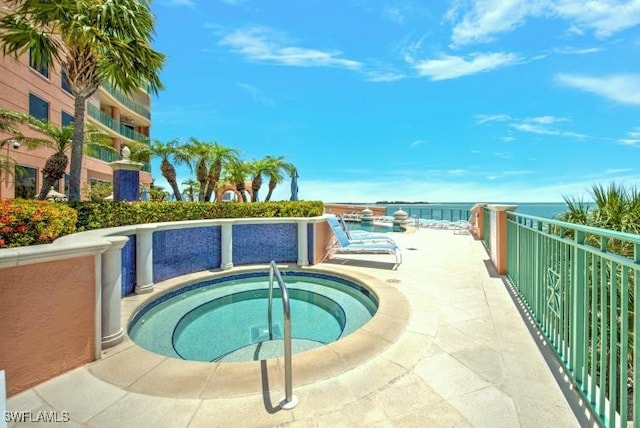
[(289, 401)]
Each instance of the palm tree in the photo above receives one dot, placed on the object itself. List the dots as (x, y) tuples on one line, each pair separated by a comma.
[(8, 121), (169, 154), (256, 169), (60, 140), (236, 172), (220, 156), (95, 42), (193, 187), (200, 153), (274, 170)]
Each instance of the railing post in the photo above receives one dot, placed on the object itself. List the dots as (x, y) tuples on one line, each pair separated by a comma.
[(579, 303), (289, 401), (498, 245), (477, 214)]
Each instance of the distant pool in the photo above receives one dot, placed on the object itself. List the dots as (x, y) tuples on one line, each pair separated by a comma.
[(378, 228)]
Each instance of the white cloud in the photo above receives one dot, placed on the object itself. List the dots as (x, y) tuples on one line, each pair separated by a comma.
[(604, 17), (376, 76), (451, 67), (622, 88), (264, 44), (416, 143), (488, 17), (546, 120), (484, 118), (179, 3), (481, 20), (255, 93)]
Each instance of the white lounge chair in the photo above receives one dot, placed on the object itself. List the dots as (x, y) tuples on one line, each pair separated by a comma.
[(343, 245), (358, 235)]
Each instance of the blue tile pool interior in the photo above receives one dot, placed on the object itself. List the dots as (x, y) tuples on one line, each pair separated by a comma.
[(261, 243), (181, 251), (358, 303), (128, 266)]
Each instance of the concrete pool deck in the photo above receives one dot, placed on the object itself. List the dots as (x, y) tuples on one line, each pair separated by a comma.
[(451, 350)]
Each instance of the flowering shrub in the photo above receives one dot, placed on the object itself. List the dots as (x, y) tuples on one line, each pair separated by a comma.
[(28, 222)]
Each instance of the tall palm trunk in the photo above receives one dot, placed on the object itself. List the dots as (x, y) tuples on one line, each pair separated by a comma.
[(216, 169), (272, 186), (202, 176), (169, 172), (53, 170), (240, 187), (256, 184), (77, 146)]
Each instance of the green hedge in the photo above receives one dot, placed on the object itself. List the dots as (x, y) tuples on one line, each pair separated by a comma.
[(95, 215), (28, 222)]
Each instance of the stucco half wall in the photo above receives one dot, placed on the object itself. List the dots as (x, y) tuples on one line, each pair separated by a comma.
[(47, 320)]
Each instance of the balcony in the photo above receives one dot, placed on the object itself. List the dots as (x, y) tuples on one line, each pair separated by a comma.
[(107, 121), (127, 102)]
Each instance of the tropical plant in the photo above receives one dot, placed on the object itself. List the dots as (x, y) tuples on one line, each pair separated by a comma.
[(59, 139), (8, 121), (200, 157), (94, 41), (193, 188), (220, 156), (256, 169), (274, 170), (169, 154), (236, 172)]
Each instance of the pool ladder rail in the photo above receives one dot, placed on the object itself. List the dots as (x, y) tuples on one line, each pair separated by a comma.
[(289, 401)]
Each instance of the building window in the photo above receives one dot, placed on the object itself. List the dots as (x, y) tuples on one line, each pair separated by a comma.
[(64, 84), (66, 119), (25, 182), (43, 67), (38, 108)]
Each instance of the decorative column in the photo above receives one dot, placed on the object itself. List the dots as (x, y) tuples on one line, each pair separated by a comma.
[(226, 246), (144, 259), (477, 220), (303, 239), (126, 177), (499, 235), (111, 275)]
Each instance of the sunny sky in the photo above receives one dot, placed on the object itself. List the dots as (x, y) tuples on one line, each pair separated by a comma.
[(439, 101)]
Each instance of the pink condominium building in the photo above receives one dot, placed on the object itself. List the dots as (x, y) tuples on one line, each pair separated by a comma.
[(44, 93)]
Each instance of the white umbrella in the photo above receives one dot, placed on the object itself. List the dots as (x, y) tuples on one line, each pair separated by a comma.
[(56, 196)]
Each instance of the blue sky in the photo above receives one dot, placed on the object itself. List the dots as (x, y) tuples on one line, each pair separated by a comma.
[(461, 100)]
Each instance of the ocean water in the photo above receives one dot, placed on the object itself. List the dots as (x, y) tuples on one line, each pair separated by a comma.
[(460, 210)]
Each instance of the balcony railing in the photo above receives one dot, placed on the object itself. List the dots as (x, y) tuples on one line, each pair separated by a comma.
[(126, 101), (102, 154), (582, 287), (114, 125)]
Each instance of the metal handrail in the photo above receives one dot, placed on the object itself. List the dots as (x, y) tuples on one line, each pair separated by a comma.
[(289, 401)]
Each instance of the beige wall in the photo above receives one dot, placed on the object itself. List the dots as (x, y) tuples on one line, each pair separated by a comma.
[(323, 239), (47, 320)]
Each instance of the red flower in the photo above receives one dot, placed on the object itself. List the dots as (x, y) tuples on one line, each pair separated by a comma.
[(6, 230), (21, 228), (43, 237), (1, 242)]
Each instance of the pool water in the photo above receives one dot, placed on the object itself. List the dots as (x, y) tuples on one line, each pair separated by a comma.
[(378, 228), (226, 319)]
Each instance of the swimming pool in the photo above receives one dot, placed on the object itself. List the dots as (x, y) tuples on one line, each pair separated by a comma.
[(225, 319)]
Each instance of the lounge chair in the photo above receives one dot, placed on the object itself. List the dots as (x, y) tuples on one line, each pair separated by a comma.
[(343, 245), (358, 235)]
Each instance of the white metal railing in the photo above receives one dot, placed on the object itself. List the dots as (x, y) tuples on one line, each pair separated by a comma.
[(289, 401)]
